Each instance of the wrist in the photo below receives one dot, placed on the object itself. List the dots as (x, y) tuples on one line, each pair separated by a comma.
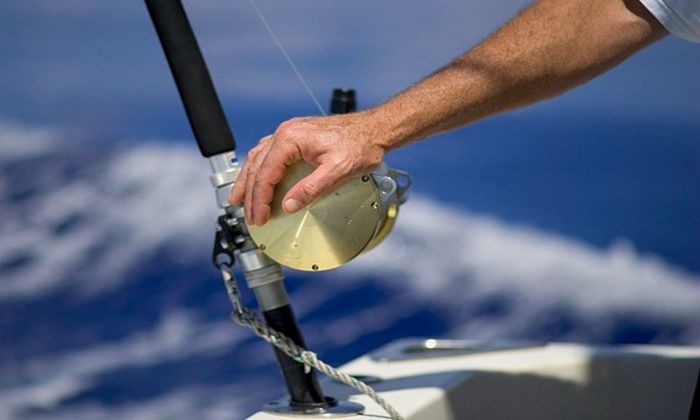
[(384, 128)]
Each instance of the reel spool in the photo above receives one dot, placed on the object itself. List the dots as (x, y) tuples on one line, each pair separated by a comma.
[(337, 226)]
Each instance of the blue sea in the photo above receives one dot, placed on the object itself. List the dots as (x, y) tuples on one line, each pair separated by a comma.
[(575, 220)]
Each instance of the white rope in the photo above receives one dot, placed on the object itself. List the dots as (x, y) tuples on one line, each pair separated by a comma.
[(286, 56), (247, 318)]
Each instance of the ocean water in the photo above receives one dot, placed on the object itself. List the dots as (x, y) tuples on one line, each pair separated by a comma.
[(110, 309), (573, 220)]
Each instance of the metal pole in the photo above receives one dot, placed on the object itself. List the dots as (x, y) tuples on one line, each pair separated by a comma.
[(265, 278), (216, 142)]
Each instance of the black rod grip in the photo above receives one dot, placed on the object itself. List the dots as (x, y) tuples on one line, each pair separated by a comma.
[(303, 387), (204, 111)]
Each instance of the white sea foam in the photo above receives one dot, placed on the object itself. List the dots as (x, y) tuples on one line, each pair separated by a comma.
[(192, 402), (18, 141), (456, 258), (126, 205)]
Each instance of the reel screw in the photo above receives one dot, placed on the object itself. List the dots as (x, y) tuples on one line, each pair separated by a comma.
[(314, 267), (386, 186), (365, 178)]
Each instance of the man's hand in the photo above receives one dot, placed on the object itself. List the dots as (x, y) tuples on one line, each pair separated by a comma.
[(549, 48), (339, 146)]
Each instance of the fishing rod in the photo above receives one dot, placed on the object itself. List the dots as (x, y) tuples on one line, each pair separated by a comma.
[(259, 258), (216, 143)]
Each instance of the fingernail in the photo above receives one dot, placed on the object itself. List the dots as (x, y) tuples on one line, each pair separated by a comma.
[(291, 205)]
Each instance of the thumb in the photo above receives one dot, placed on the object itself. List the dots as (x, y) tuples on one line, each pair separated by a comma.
[(309, 188)]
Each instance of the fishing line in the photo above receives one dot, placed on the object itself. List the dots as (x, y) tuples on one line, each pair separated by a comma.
[(286, 55)]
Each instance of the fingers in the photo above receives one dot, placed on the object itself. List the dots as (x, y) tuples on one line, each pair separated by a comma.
[(320, 141), (239, 189), (237, 192), (261, 172), (253, 170), (268, 175), (315, 184)]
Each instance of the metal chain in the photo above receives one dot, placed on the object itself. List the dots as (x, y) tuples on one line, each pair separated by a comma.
[(247, 318)]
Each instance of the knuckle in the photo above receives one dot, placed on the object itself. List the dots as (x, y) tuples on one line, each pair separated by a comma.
[(265, 211), (261, 184), (344, 166), (288, 128), (374, 159), (310, 189), (257, 148), (250, 172), (285, 129)]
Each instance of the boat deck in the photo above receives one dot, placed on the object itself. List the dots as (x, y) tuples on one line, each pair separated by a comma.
[(527, 381)]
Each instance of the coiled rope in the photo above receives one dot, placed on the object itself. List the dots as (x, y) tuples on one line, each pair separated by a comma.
[(247, 318)]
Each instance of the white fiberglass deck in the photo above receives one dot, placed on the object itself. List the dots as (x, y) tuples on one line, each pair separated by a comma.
[(551, 381)]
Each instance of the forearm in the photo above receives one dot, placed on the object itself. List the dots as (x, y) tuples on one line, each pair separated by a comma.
[(549, 48)]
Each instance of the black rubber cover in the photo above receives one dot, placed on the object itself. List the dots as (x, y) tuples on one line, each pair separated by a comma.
[(343, 101), (207, 119), (303, 387)]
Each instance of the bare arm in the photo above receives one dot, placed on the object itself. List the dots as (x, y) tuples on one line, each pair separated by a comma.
[(547, 49)]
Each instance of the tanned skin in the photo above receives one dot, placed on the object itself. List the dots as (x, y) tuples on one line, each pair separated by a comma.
[(549, 48)]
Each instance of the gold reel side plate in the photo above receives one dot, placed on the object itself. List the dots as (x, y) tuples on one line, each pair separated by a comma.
[(326, 234)]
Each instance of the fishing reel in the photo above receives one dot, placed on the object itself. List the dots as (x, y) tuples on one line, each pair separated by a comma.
[(337, 226)]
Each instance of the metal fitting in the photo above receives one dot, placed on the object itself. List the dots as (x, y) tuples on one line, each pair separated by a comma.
[(253, 260), (225, 168)]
